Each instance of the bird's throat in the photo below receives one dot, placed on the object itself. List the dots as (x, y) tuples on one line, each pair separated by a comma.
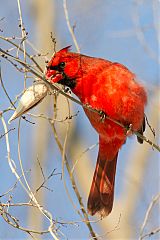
[(68, 82)]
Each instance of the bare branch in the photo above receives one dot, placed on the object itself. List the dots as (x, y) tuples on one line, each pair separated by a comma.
[(147, 215), (69, 25)]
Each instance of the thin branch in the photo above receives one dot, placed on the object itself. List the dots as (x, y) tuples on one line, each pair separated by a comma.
[(148, 213), (86, 150), (69, 25), (2, 135), (140, 33), (149, 125), (15, 223), (151, 233), (46, 179), (28, 55), (117, 226), (23, 33), (74, 186), (12, 166), (10, 190)]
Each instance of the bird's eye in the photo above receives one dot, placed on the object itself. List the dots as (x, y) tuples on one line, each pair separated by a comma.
[(62, 65)]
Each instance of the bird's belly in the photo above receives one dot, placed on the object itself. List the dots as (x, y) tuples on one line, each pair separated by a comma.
[(105, 127)]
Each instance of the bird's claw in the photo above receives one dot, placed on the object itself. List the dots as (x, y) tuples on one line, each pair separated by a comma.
[(129, 130), (67, 90), (103, 115)]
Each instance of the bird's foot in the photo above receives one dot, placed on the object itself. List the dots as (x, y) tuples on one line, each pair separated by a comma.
[(103, 116), (129, 130), (67, 90)]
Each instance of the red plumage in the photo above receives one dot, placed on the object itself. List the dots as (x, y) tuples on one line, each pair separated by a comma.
[(113, 89)]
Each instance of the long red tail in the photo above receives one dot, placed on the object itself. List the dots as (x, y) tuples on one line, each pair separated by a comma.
[(101, 195)]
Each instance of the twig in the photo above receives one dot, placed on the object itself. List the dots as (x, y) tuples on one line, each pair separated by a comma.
[(54, 43), (2, 135), (46, 179), (86, 150), (108, 232), (23, 33), (51, 119), (153, 232), (14, 222), (69, 26), (74, 186), (10, 190), (148, 212), (140, 34), (12, 166), (29, 56), (63, 159), (149, 125)]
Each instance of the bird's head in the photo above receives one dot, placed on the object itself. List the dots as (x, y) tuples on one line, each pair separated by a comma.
[(64, 68)]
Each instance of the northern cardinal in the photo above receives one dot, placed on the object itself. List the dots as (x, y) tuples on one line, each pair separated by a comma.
[(114, 91)]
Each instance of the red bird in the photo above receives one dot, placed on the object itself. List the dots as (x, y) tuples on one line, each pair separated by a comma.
[(114, 91)]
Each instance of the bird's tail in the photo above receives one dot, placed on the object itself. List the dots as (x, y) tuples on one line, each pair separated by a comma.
[(102, 189)]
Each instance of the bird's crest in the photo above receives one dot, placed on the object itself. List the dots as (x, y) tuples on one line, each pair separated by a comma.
[(65, 50)]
